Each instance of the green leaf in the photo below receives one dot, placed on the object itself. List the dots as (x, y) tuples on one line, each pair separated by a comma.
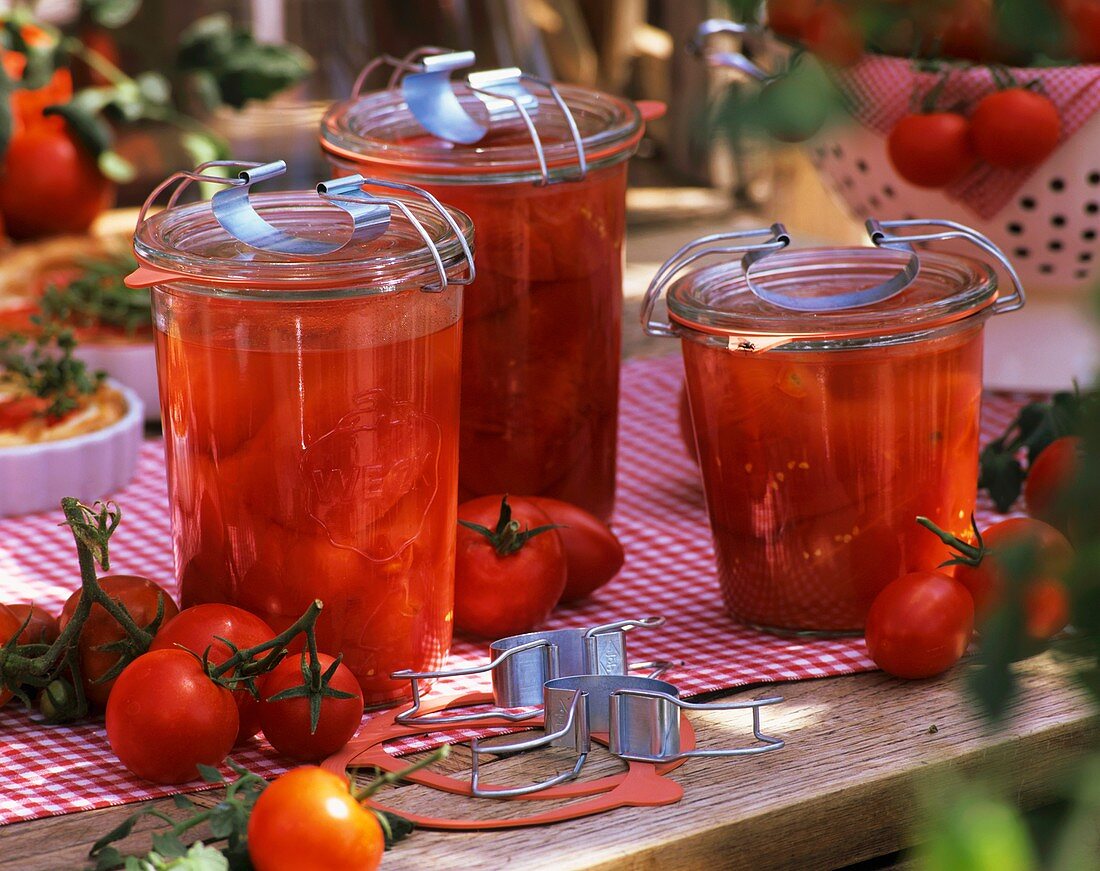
[(395, 827), (168, 845), (203, 147), (115, 167), (974, 831), (202, 858), (154, 88), (107, 859), (206, 43), (183, 802), (224, 820), (112, 13), (93, 132), (210, 774), (1001, 474)]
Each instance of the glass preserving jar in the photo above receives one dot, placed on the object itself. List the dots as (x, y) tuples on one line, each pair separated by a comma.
[(546, 189), (309, 378), (835, 396)]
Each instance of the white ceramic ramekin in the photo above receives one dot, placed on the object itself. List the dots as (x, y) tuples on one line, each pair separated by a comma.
[(131, 363), (89, 467)]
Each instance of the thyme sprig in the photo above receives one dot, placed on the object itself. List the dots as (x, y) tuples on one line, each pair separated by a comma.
[(46, 367), (97, 297)]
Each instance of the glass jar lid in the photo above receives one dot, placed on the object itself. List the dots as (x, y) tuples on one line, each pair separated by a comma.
[(826, 297), (719, 299), (351, 235), (501, 125)]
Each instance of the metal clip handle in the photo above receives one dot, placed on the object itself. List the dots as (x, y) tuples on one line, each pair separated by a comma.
[(575, 729), (431, 98), (877, 231), (412, 716), (726, 59), (652, 717), (776, 238)]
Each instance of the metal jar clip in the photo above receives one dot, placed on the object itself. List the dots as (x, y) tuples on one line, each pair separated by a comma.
[(640, 715), (370, 213), (465, 113), (767, 241), (522, 664)]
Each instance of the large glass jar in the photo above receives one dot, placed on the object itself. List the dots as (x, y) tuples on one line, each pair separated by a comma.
[(542, 325), (310, 410), (823, 434)]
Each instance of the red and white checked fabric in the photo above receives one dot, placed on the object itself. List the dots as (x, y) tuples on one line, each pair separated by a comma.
[(880, 91), (669, 571)]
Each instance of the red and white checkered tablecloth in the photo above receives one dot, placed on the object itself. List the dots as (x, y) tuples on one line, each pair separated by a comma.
[(669, 571)]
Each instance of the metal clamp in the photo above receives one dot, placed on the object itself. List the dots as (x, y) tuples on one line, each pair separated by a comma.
[(641, 716), (371, 214), (877, 231), (522, 664), (700, 47), (501, 96), (776, 238)]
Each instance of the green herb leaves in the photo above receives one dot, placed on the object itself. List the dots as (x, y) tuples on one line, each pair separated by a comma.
[(47, 369), (97, 297)]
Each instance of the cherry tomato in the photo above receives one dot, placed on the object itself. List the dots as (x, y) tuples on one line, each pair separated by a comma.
[(919, 625), (139, 596), (41, 626), (50, 184), (833, 35), (931, 150), (9, 625), (593, 555), (789, 17), (1049, 477), (166, 716), (307, 820), (1083, 29), (687, 427), (506, 579), (286, 723), (202, 628), (1015, 128), (981, 572)]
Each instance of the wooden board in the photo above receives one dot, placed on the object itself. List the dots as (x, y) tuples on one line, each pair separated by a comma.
[(845, 788)]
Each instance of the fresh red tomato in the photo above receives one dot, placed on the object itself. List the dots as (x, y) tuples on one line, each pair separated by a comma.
[(789, 17), (962, 30), (833, 35), (9, 626), (207, 628), (1083, 29), (41, 626), (307, 820), (980, 570), (50, 184), (286, 723), (166, 716), (687, 427), (16, 412), (510, 567), (593, 555), (931, 150), (1048, 479), (139, 596), (919, 625), (1015, 128)]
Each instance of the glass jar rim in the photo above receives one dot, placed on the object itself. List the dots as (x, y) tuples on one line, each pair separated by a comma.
[(610, 129), (718, 299), (187, 242)]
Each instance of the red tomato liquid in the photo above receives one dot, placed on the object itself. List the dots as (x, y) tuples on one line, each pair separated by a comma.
[(542, 336), (815, 465), (312, 454)]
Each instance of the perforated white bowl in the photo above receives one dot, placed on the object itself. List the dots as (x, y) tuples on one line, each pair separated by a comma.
[(1050, 229)]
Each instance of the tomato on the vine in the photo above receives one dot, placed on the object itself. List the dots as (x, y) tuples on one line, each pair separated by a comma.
[(307, 820), (166, 716), (980, 568), (139, 596), (919, 625), (1048, 479), (931, 150), (286, 722), (593, 555), (1015, 128), (833, 35), (50, 184), (9, 626), (205, 628), (510, 567), (40, 627)]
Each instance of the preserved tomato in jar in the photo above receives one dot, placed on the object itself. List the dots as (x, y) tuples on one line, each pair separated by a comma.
[(824, 432), (310, 410), (542, 321)]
